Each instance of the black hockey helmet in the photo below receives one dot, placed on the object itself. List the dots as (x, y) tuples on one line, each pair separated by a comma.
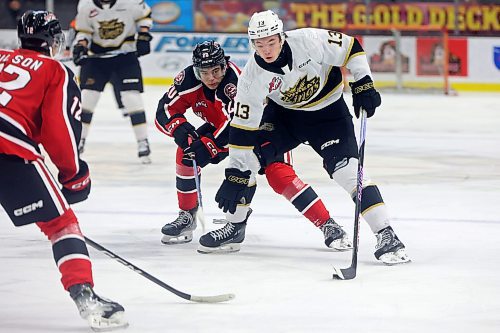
[(40, 31), (208, 54)]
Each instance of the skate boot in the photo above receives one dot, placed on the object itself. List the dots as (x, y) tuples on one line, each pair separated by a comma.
[(181, 230), (389, 249), (101, 314), (143, 151), (81, 146), (335, 237), (223, 240), (226, 239)]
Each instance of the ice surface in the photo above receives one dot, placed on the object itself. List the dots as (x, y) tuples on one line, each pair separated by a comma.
[(436, 160)]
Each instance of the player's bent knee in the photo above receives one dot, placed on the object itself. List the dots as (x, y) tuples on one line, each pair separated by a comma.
[(132, 101), (345, 174), (56, 225), (279, 175), (90, 99)]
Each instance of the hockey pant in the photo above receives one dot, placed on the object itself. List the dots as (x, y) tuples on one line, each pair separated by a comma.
[(29, 194)]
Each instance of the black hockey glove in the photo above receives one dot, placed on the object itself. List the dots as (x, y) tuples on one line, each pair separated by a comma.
[(78, 188), (79, 54), (205, 150), (143, 43), (233, 190), (181, 130), (364, 96)]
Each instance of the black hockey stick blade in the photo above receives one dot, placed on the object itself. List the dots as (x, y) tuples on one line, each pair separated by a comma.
[(348, 273), (192, 298)]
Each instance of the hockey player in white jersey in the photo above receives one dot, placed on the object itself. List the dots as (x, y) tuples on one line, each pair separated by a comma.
[(294, 83), (117, 31)]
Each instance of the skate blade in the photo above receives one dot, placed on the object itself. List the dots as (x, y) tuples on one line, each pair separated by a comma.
[(228, 248), (145, 160), (181, 239), (100, 324), (395, 258), (341, 245)]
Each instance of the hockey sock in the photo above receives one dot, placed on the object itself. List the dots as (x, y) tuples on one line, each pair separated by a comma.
[(373, 208), (283, 179), (185, 184), (86, 118), (138, 121), (69, 249)]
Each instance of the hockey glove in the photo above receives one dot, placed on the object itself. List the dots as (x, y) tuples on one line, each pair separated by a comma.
[(181, 130), (79, 54), (233, 189), (364, 96), (78, 188), (205, 150), (143, 43)]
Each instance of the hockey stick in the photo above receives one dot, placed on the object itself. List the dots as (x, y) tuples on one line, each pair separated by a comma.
[(349, 273), (193, 298), (200, 215)]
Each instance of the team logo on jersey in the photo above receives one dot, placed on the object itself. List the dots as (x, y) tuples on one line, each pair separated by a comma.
[(110, 29), (301, 91), (201, 103), (230, 90), (179, 78), (275, 84)]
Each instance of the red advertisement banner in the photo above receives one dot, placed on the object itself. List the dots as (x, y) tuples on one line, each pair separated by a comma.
[(431, 56)]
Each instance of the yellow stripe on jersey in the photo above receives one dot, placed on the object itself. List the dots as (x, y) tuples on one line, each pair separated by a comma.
[(245, 128), (348, 54), (241, 147)]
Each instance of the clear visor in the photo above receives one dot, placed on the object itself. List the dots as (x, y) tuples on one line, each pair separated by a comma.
[(58, 44)]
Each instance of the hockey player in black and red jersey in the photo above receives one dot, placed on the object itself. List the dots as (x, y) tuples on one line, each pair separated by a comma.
[(209, 86), (298, 73), (40, 106), (117, 31)]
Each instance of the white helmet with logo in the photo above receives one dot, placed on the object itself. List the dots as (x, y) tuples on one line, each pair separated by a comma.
[(264, 24)]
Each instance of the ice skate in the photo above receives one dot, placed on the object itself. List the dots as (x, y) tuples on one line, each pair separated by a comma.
[(224, 240), (181, 230), (101, 314), (389, 249), (143, 151), (335, 237), (81, 146)]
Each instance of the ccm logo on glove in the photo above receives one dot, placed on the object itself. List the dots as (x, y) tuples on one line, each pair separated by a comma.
[(238, 180)]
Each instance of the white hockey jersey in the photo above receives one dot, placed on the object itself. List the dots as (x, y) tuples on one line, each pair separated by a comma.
[(112, 28), (310, 81)]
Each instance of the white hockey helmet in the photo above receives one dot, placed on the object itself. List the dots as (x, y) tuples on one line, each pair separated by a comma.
[(264, 24)]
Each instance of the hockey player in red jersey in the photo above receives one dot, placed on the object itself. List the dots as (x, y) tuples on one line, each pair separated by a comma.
[(209, 86), (40, 106)]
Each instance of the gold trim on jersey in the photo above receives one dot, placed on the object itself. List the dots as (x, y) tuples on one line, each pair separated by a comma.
[(327, 78), (245, 128), (348, 54), (241, 147)]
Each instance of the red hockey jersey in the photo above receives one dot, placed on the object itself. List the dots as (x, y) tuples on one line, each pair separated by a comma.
[(39, 104), (214, 107)]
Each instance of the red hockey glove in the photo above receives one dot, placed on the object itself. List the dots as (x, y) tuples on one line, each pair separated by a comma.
[(205, 150), (181, 130), (364, 96), (78, 188)]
